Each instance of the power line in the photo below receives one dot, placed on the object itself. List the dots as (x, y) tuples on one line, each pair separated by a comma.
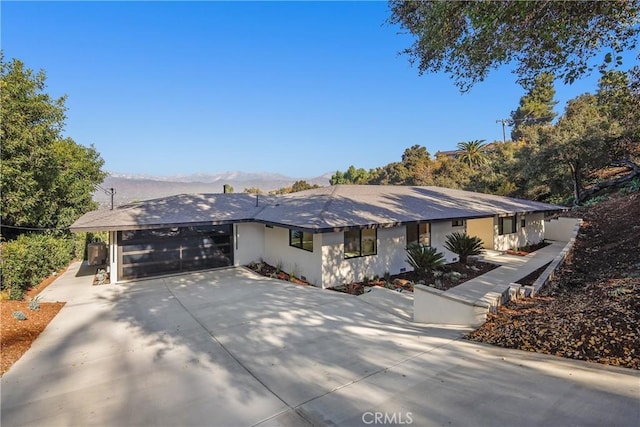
[(111, 191), (32, 228)]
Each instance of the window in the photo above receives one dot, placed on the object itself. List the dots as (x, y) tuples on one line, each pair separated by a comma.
[(419, 233), (360, 242), (506, 225), (523, 222), (301, 239), (457, 223)]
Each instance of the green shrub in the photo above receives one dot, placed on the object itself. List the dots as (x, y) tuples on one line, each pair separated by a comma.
[(34, 304), (424, 258), (81, 240), (463, 245), (31, 258), (387, 276), (631, 187), (19, 315), (595, 200)]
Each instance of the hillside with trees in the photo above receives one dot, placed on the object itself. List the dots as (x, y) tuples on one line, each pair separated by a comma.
[(588, 156), (559, 162), (591, 309)]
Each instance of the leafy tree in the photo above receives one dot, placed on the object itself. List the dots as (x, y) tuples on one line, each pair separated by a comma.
[(472, 152), (451, 173), (467, 39), (501, 173), (227, 188), (350, 176), (297, 186), (394, 173), (79, 171), (414, 155), (536, 107), (302, 186), (424, 258), (463, 245), (419, 166), (579, 140), (252, 190), (46, 180), (619, 98)]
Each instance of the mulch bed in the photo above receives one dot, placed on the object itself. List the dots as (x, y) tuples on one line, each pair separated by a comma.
[(526, 250), (444, 281), (404, 281), (268, 270), (591, 310), (529, 279), (16, 336)]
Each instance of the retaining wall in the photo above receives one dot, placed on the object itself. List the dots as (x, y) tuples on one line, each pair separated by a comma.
[(561, 229), (436, 306)]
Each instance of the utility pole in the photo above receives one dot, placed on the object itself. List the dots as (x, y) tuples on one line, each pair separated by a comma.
[(504, 122), (111, 191)]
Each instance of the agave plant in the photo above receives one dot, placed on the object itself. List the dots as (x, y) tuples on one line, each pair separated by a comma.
[(424, 258), (463, 245)]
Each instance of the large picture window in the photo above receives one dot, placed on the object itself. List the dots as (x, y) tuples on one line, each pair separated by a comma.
[(419, 233), (506, 225), (301, 239), (360, 242)]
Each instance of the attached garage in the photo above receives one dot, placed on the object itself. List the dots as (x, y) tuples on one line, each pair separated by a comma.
[(143, 253)]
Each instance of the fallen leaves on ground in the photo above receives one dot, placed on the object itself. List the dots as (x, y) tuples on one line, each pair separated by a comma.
[(591, 310)]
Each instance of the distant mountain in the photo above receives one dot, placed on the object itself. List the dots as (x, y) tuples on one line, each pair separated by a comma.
[(133, 187)]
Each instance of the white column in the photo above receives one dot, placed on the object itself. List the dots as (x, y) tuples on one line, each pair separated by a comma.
[(113, 257)]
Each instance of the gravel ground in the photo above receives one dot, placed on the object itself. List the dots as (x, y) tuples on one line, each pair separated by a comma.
[(16, 336)]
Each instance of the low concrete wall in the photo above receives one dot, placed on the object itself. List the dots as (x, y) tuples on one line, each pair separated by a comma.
[(570, 230), (561, 229), (549, 273), (432, 305)]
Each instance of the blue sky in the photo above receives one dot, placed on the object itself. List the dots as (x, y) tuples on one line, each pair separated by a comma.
[(297, 88)]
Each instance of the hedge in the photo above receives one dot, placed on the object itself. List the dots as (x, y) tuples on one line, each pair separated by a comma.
[(31, 258)]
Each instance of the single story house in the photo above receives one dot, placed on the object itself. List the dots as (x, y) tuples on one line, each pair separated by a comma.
[(327, 236)]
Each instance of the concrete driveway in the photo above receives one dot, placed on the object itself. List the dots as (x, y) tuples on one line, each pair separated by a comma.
[(227, 348)]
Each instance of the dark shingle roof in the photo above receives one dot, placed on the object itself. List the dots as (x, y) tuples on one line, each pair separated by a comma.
[(368, 205), (322, 209), (181, 209)]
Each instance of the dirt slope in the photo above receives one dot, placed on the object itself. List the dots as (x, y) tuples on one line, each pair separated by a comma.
[(591, 311)]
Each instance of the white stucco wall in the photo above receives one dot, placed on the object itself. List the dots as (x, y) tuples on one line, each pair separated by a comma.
[(390, 257), (561, 229), (439, 232), (482, 228), (114, 274), (532, 233), (248, 242), (293, 260)]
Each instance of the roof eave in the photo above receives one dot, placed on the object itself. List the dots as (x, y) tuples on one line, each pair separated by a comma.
[(128, 227)]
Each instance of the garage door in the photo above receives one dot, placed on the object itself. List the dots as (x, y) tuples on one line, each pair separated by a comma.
[(144, 253)]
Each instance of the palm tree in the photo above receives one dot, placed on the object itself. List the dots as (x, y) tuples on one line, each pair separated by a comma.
[(472, 152)]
